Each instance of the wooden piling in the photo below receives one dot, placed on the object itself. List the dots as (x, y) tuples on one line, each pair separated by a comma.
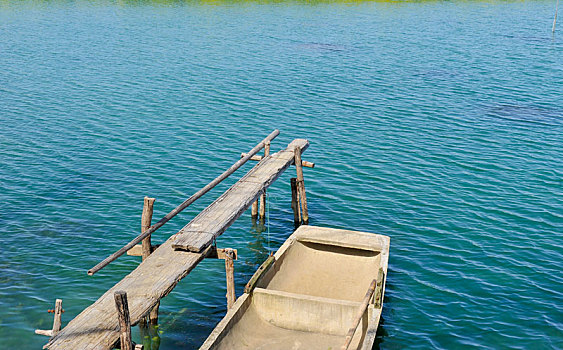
[(254, 212), (263, 195), (230, 272), (146, 219), (57, 311), (301, 185), (295, 203), (361, 310), (147, 248), (124, 321)]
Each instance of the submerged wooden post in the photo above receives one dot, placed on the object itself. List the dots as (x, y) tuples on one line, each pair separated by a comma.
[(301, 185), (124, 321), (230, 272), (359, 315), (263, 195), (295, 203)]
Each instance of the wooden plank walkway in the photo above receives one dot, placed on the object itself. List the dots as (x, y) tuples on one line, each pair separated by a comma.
[(97, 326)]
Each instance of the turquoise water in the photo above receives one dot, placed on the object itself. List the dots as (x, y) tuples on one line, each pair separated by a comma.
[(437, 123)]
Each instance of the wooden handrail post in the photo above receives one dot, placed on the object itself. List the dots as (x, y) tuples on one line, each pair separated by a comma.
[(230, 272), (124, 320), (295, 203), (361, 310), (146, 219), (263, 195), (301, 185), (147, 248)]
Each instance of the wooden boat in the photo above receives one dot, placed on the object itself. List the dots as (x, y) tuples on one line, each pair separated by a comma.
[(309, 293)]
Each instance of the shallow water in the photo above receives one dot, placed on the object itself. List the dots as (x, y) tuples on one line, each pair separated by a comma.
[(437, 123)]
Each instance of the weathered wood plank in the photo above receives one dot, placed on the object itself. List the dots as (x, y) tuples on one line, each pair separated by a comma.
[(204, 228), (97, 326)]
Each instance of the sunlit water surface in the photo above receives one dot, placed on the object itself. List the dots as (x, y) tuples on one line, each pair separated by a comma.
[(437, 123)]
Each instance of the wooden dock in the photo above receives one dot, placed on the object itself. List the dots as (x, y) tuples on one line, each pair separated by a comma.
[(97, 327)]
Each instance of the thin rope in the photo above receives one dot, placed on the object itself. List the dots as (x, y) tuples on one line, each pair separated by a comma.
[(268, 219)]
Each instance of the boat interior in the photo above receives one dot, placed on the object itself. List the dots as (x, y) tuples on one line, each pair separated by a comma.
[(309, 296)]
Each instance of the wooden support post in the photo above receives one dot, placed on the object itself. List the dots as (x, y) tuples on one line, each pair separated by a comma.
[(124, 321), (230, 272), (361, 310), (301, 185), (147, 249), (58, 311), (295, 203), (263, 195), (254, 212), (146, 219)]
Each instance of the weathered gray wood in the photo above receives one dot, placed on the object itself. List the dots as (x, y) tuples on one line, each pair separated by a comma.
[(57, 318), (301, 186), (304, 163), (295, 203), (217, 217), (146, 218), (230, 274), (57, 311), (361, 310), (97, 327), (48, 333), (124, 322), (221, 253), (184, 205)]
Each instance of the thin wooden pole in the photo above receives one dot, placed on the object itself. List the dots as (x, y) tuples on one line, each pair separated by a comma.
[(58, 313), (263, 195), (124, 320), (230, 272), (254, 212), (184, 205), (295, 202), (301, 185), (359, 315), (146, 218), (145, 224)]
